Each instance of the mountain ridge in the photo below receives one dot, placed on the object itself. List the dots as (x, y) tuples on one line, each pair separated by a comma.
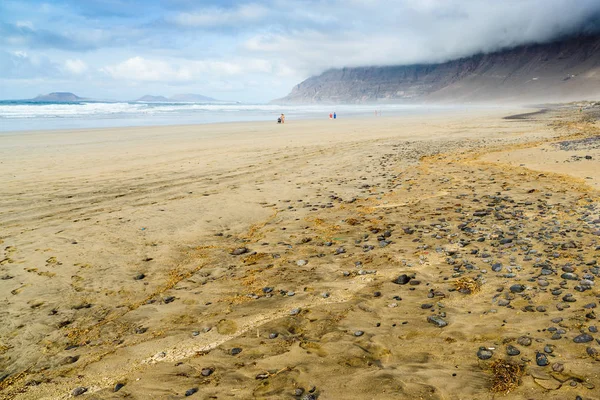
[(563, 70)]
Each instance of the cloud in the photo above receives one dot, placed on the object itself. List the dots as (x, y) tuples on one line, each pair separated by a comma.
[(379, 32), (23, 34), (76, 66), (220, 17), (153, 70), (22, 65)]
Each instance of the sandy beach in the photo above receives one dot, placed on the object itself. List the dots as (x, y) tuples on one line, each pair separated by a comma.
[(417, 257)]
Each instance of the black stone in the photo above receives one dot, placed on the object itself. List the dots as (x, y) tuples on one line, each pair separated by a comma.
[(484, 354), (402, 279), (583, 338), (541, 359), (118, 387), (512, 350)]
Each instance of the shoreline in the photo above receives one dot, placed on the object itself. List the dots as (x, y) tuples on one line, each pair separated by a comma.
[(393, 113), (398, 200)]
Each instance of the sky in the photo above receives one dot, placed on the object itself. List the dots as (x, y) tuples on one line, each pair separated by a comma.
[(252, 50)]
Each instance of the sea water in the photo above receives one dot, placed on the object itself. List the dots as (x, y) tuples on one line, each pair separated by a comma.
[(26, 116)]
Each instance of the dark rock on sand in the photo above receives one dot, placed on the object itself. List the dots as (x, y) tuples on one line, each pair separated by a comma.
[(236, 351), (190, 392), (484, 354), (79, 391), (512, 350), (402, 279), (524, 341), (118, 387), (517, 288), (207, 371), (541, 359), (583, 338), (239, 251), (437, 321)]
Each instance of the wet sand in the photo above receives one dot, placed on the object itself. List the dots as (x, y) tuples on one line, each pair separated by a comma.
[(395, 257)]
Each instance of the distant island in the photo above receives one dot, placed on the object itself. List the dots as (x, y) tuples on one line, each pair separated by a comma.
[(178, 98), (57, 97), (68, 97), (149, 98)]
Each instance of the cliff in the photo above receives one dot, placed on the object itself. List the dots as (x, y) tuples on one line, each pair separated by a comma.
[(564, 70)]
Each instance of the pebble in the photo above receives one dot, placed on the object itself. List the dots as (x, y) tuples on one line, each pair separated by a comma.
[(512, 350), (583, 338), (569, 276), (207, 371), (484, 354), (190, 392), (239, 251), (437, 321), (358, 333), (78, 391), (273, 335), (524, 341), (402, 279), (295, 311), (139, 277), (517, 288), (236, 351), (118, 387), (301, 263), (541, 359)]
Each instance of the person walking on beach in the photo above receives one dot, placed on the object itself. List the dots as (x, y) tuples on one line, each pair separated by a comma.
[(330, 115), (283, 118), (334, 115)]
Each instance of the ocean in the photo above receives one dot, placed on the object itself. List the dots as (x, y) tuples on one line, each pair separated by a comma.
[(29, 116)]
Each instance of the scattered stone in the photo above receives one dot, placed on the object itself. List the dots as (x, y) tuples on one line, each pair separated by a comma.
[(118, 387), (358, 333), (437, 321), (207, 371), (524, 341), (517, 288), (78, 391), (512, 350), (301, 263), (402, 279), (541, 359), (484, 354), (190, 392), (239, 251), (235, 351), (139, 277), (583, 338)]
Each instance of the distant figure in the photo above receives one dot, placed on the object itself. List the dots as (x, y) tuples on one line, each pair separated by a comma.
[(330, 115), (334, 115), (279, 120), (282, 118)]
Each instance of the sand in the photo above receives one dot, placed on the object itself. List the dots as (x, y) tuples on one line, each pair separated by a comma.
[(255, 260)]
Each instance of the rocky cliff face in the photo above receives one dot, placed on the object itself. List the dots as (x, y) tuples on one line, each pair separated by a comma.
[(561, 71)]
